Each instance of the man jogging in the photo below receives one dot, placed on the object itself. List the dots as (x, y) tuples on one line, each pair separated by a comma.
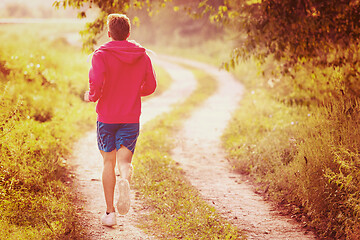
[(121, 73)]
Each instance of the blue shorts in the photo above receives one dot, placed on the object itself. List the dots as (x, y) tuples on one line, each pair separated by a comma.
[(111, 136)]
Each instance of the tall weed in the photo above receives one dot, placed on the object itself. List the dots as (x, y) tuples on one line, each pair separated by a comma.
[(302, 146), (41, 115)]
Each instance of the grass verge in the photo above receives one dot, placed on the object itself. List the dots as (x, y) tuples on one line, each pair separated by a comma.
[(305, 158), (41, 114), (177, 210)]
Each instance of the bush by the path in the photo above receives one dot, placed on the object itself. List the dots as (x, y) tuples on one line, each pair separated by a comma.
[(41, 114), (305, 154)]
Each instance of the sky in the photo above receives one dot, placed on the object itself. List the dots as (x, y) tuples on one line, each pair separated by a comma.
[(29, 3), (33, 9)]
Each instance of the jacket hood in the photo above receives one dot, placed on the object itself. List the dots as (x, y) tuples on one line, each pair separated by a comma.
[(125, 51)]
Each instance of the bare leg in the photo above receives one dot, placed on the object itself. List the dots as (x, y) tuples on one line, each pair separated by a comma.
[(124, 156), (109, 178)]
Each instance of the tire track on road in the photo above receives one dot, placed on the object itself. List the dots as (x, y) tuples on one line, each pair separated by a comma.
[(200, 154)]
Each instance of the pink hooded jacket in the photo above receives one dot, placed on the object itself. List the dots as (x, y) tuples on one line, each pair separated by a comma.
[(121, 73)]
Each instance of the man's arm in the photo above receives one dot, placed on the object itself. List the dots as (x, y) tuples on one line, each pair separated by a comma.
[(96, 78), (149, 84)]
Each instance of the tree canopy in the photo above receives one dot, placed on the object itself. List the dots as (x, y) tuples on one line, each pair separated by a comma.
[(106, 7), (285, 28), (324, 33)]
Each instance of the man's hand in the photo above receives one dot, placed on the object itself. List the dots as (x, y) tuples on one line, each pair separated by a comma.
[(86, 96)]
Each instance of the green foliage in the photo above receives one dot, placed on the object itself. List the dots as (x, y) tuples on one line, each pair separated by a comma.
[(295, 29), (298, 142), (41, 114), (169, 27), (318, 33), (286, 29), (92, 31), (178, 210), (306, 158)]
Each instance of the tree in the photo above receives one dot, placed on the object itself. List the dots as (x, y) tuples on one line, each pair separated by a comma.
[(294, 32), (315, 33), (296, 29)]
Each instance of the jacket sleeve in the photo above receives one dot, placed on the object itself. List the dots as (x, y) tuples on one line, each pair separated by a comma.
[(96, 77), (149, 84)]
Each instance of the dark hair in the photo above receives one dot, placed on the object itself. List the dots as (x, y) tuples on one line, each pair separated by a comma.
[(119, 26)]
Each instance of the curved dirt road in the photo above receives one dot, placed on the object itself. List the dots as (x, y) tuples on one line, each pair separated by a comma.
[(199, 153), (87, 164)]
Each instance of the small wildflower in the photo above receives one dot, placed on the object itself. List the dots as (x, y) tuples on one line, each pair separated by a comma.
[(270, 116), (31, 64), (42, 57), (309, 115), (253, 92), (12, 57), (270, 83), (292, 123), (25, 72), (16, 57), (37, 65)]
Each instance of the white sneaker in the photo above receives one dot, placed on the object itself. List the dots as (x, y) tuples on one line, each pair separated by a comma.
[(108, 219), (123, 204)]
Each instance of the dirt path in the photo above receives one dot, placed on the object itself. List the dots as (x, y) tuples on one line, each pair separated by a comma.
[(200, 154), (183, 84), (87, 165)]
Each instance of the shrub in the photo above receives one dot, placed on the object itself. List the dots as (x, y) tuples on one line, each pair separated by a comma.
[(305, 156), (41, 114)]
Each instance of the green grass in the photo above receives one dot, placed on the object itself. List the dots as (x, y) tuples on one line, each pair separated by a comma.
[(305, 157), (177, 210), (41, 115)]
